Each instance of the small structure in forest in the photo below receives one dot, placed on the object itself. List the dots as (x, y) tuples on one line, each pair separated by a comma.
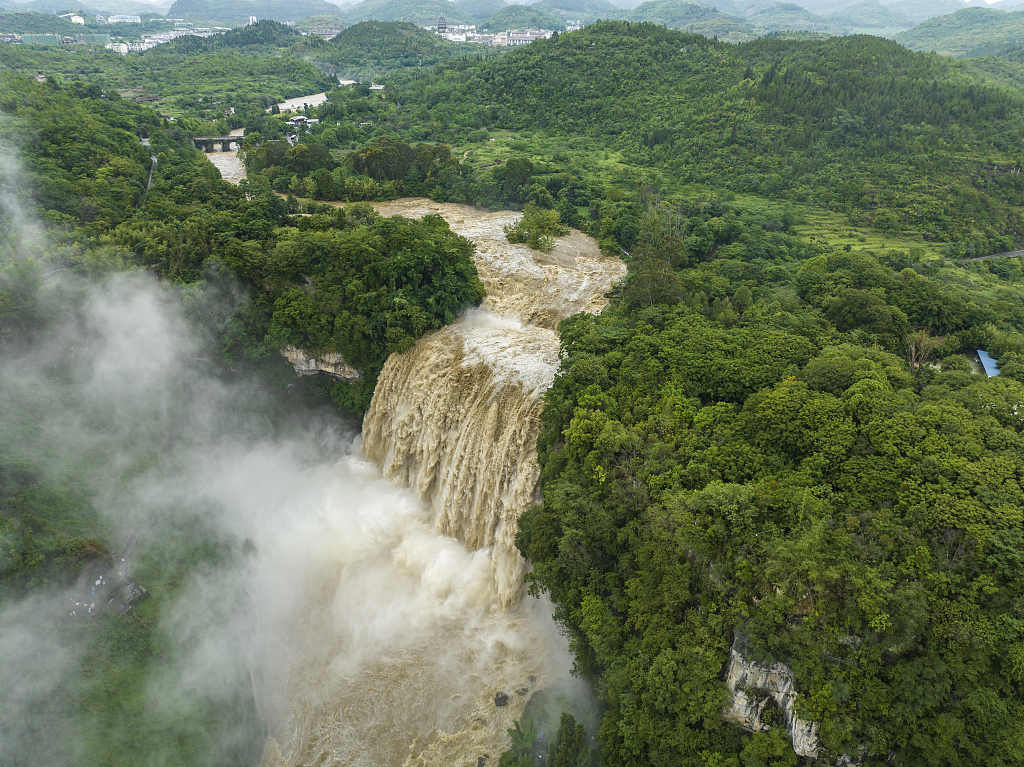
[(989, 364)]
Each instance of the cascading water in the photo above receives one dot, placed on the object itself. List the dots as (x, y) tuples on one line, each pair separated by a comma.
[(456, 418), (407, 620)]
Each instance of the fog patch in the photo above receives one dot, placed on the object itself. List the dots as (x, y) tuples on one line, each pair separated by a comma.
[(288, 572)]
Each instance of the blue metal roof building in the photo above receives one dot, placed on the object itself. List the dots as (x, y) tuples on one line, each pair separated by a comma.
[(991, 369)]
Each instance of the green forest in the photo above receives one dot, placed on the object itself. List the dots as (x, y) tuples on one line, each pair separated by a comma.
[(773, 437)]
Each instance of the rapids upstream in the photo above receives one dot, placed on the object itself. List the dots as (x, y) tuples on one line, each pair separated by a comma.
[(411, 619)]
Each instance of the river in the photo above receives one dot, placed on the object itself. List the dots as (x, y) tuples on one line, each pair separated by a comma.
[(291, 105), (230, 165)]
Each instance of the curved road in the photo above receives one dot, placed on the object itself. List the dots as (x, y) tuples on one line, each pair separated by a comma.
[(1011, 254)]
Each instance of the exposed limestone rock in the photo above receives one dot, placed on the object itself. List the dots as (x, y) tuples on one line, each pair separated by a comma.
[(329, 363), (755, 687)]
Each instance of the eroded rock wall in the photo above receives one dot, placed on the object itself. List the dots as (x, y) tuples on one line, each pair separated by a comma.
[(755, 687)]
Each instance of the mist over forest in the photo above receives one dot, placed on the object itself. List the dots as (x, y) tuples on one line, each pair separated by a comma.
[(770, 510)]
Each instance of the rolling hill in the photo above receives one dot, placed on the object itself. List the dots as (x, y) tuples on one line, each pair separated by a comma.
[(371, 48), (675, 14), (922, 10), (787, 17), (237, 12), (968, 32), (587, 10), (421, 12), (36, 23), (522, 17), (871, 14), (480, 10)]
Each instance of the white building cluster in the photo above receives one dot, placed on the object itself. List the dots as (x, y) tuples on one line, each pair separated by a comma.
[(153, 40), (118, 19), (466, 33)]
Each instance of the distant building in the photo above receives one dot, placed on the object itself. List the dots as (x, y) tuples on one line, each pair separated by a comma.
[(518, 37), (122, 19), (73, 18), (252, 20), (121, 48), (441, 25), (41, 39), (376, 87)]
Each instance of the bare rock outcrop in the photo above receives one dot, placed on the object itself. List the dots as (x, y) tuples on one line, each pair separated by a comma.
[(329, 363), (755, 689)]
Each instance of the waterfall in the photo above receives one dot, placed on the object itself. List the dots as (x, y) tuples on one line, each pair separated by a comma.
[(406, 641), (456, 418)]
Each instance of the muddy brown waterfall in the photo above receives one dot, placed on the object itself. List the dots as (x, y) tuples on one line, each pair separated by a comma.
[(407, 642), (456, 418)]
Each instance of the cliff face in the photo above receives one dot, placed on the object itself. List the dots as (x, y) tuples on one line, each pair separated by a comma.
[(329, 363), (755, 689)]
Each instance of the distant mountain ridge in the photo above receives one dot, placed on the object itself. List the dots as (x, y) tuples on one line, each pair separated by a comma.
[(872, 14), (237, 12), (586, 10), (480, 10), (522, 17), (420, 12)]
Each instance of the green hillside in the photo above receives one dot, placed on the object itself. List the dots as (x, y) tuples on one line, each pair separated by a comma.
[(47, 6), (787, 17), (729, 7), (971, 31), (237, 12), (480, 10), (922, 10), (372, 48), (770, 117), (522, 17), (730, 22), (420, 12), (37, 23), (676, 14), (587, 10), (265, 35), (871, 14)]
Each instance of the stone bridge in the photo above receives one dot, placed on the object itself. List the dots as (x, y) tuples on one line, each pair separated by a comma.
[(207, 143)]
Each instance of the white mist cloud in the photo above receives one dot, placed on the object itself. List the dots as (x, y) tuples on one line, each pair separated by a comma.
[(288, 571), (355, 626)]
